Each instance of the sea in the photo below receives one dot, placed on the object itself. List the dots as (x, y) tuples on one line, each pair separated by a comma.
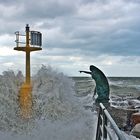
[(63, 107), (122, 89)]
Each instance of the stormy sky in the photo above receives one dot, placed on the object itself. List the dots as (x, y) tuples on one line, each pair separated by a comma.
[(76, 34)]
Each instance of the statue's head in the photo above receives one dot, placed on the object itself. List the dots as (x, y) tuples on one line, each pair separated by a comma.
[(91, 68)]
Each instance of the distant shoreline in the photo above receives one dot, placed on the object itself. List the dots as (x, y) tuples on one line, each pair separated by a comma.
[(107, 77)]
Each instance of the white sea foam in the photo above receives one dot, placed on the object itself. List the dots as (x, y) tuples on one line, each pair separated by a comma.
[(58, 113)]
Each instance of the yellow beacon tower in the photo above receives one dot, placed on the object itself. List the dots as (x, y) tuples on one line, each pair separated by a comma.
[(33, 43)]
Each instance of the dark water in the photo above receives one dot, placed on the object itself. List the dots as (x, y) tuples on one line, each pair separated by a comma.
[(123, 90), (119, 86), (125, 86)]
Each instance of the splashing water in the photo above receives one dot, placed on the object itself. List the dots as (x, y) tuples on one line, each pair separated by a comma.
[(53, 94), (57, 112), (9, 107), (54, 106)]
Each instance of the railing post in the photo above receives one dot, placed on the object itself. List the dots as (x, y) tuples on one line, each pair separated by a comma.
[(104, 124), (98, 131), (103, 118)]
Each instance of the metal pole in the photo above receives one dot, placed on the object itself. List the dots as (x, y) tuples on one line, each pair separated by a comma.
[(27, 67), (27, 35), (27, 55), (104, 125)]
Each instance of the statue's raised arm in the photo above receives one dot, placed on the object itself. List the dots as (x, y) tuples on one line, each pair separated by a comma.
[(87, 72)]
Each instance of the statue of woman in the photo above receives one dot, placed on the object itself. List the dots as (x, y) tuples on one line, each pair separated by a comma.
[(102, 85)]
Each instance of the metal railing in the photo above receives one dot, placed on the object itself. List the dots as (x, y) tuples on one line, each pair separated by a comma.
[(103, 131)]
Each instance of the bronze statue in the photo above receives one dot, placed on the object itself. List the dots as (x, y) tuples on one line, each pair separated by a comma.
[(102, 85)]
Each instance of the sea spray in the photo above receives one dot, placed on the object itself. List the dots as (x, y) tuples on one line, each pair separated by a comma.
[(58, 112), (53, 98), (53, 94), (10, 120)]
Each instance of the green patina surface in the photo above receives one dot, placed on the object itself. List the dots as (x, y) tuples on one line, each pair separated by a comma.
[(102, 85)]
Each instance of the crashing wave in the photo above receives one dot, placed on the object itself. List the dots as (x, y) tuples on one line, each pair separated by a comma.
[(53, 97), (54, 100), (53, 94)]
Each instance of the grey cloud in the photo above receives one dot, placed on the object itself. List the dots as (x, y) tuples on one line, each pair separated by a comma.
[(84, 28), (50, 9), (18, 13), (132, 1), (8, 2)]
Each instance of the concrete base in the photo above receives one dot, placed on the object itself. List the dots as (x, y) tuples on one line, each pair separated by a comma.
[(25, 100)]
